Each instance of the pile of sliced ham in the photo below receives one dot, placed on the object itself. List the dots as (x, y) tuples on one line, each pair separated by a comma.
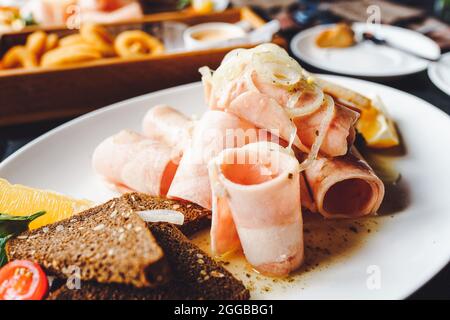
[(270, 143)]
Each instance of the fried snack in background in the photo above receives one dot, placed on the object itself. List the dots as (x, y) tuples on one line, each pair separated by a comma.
[(97, 36), (91, 43), (19, 57), (39, 43), (339, 36), (137, 43), (36, 43), (29, 55), (70, 55), (52, 42), (71, 40)]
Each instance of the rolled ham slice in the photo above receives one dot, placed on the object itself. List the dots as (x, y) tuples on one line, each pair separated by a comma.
[(340, 132), (344, 187), (305, 195), (130, 161), (278, 109), (256, 202), (266, 108), (167, 124), (214, 132)]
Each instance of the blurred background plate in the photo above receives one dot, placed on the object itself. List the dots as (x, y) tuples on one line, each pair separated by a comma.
[(366, 59), (439, 73)]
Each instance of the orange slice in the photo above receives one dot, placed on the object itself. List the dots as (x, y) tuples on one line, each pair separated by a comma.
[(377, 128), (21, 201)]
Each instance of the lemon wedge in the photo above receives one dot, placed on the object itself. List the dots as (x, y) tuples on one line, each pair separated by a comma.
[(377, 128), (21, 201)]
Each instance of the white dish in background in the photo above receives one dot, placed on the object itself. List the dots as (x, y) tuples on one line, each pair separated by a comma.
[(211, 34), (439, 73), (407, 249), (367, 59)]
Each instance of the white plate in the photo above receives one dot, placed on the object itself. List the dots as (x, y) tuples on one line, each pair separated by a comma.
[(408, 249), (367, 59), (439, 73)]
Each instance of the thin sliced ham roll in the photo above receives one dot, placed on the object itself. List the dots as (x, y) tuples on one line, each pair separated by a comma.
[(255, 85), (130, 161), (344, 187), (167, 124), (214, 132), (256, 203), (340, 131), (305, 195)]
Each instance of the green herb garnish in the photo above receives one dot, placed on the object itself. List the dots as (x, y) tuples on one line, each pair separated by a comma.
[(3, 258), (11, 226)]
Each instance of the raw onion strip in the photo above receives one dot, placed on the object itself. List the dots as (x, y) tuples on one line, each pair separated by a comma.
[(297, 111), (292, 138), (162, 215), (277, 69), (324, 125), (293, 99), (248, 76), (206, 73), (269, 61)]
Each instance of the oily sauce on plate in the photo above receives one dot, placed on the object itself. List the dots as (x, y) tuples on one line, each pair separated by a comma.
[(326, 241)]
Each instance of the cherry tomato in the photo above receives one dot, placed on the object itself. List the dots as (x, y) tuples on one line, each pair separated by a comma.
[(22, 280)]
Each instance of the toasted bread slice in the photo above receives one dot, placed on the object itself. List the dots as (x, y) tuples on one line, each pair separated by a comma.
[(195, 216), (109, 243), (196, 276), (195, 268), (91, 290)]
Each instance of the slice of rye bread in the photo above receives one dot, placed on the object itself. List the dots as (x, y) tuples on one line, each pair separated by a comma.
[(109, 243), (196, 268), (196, 276), (100, 291), (196, 217)]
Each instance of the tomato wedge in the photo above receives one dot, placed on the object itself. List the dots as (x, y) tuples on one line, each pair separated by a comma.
[(22, 280)]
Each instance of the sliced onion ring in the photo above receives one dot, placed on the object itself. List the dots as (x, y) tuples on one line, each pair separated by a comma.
[(294, 110), (324, 125), (276, 69), (274, 49)]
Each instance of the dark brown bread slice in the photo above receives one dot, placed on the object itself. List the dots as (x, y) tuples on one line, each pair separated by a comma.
[(195, 268), (100, 291), (196, 276), (195, 216), (109, 243)]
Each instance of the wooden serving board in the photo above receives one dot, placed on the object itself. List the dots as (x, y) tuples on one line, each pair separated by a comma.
[(28, 95)]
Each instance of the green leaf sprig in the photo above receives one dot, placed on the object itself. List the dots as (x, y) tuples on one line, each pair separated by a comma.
[(11, 226)]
